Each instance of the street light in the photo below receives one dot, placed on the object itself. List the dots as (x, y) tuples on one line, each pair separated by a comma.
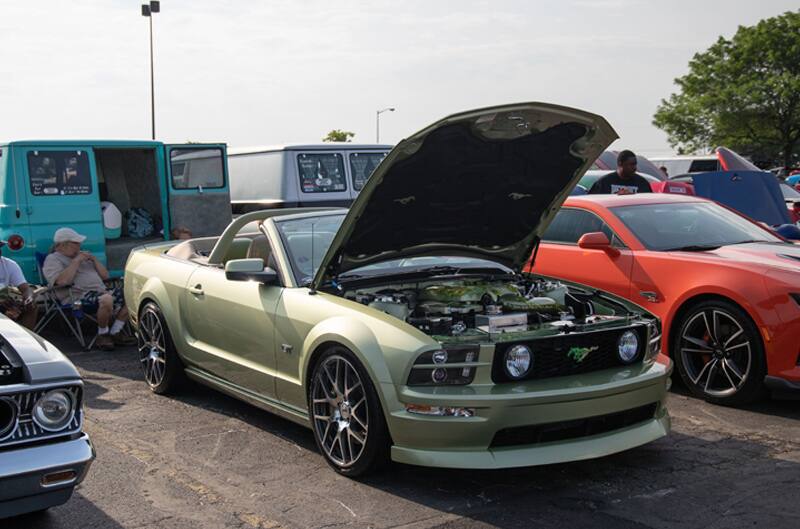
[(378, 122), (147, 10)]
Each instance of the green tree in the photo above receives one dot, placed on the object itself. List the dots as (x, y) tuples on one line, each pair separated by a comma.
[(339, 135), (743, 93)]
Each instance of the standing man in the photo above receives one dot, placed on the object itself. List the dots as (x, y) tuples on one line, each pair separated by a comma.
[(623, 181), (68, 265), (16, 296)]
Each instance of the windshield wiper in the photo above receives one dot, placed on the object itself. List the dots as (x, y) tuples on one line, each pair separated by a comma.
[(692, 248)]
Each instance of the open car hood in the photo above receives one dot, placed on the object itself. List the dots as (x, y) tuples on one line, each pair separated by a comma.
[(483, 183)]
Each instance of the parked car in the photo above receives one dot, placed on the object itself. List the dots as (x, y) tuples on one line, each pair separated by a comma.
[(658, 186), (44, 454), (301, 175), (726, 289), (756, 194), (792, 198), (53, 184), (405, 327)]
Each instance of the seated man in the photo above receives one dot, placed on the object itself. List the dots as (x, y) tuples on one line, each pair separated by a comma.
[(16, 296), (68, 265)]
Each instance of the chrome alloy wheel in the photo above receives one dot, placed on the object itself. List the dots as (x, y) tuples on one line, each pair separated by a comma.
[(716, 352), (340, 410), (152, 347)]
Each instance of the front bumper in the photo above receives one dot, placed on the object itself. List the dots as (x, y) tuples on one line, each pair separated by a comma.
[(23, 470), (469, 442)]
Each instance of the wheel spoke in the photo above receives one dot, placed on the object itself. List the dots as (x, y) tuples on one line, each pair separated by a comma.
[(708, 327), (702, 371), (743, 344), (732, 338), (711, 373), (698, 342), (701, 351), (734, 369), (725, 371)]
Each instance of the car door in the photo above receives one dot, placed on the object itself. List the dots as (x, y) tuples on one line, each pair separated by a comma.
[(232, 328), (559, 254)]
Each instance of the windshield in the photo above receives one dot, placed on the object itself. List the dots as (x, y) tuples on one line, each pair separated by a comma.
[(307, 240), (663, 227)]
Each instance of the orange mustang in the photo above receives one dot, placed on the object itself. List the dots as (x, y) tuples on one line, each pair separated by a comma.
[(727, 290)]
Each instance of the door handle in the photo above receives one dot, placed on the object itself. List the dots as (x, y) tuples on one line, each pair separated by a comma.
[(652, 297), (197, 290)]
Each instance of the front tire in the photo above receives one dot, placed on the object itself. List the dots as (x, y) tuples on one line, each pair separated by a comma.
[(162, 367), (346, 414), (719, 354)]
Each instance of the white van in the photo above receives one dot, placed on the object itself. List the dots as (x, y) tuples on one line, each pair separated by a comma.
[(679, 165), (301, 175)]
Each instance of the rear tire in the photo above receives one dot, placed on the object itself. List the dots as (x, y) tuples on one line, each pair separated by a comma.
[(162, 367), (346, 415), (719, 354)]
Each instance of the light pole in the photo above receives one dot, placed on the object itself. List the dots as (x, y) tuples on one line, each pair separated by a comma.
[(147, 11), (378, 122)]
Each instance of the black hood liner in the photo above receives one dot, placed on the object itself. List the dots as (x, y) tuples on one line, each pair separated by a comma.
[(465, 190)]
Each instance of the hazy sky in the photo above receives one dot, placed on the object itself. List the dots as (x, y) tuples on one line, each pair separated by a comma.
[(255, 73)]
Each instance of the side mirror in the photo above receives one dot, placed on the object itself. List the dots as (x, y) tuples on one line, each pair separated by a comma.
[(597, 240), (250, 270)]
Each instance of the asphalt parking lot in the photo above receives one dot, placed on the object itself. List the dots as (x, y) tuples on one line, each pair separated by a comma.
[(203, 460)]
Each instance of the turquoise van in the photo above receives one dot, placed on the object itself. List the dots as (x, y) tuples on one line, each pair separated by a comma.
[(45, 185)]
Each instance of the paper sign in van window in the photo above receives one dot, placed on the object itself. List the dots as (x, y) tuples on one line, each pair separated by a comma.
[(59, 173), (361, 166), (321, 173)]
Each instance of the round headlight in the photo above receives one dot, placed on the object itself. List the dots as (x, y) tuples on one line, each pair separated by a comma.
[(439, 375), (628, 346), (519, 360), (54, 410), (439, 357)]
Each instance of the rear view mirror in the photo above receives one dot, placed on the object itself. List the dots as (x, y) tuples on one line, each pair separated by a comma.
[(597, 240), (250, 270)]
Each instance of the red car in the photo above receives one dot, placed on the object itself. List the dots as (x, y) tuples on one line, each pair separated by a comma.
[(726, 289)]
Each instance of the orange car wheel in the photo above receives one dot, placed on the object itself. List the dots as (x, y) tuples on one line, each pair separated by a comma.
[(719, 353)]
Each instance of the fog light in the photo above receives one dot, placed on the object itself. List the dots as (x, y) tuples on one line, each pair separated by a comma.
[(628, 347), (439, 357), (439, 375), (439, 411), (518, 360), (58, 478)]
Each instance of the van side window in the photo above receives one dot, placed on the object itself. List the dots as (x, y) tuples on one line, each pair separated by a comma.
[(361, 166), (321, 173), (191, 168), (59, 173)]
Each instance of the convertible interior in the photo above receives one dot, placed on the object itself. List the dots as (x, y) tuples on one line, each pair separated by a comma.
[(244, 246)]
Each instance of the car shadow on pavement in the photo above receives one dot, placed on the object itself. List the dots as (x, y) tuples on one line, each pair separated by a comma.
[(681, 481), (78, 512), (768, 405)]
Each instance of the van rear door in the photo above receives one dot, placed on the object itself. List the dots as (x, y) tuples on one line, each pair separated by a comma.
[(199, 195), (61, 190)]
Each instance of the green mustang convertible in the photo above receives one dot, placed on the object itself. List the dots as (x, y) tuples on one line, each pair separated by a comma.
[(407, 326)]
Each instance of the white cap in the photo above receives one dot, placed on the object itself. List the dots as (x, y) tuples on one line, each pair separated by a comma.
[(67, 235)]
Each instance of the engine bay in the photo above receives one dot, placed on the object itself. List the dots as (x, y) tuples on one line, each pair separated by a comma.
[(470, 307)]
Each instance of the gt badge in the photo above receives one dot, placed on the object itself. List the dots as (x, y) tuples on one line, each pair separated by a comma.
[(579, 354)]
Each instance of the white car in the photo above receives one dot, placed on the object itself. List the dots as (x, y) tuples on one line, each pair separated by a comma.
[(44, 453)]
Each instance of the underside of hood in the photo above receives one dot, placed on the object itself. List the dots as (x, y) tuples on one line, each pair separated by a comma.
[(483, 184)]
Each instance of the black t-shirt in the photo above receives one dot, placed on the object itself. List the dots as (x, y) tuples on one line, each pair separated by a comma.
[(611, 183)]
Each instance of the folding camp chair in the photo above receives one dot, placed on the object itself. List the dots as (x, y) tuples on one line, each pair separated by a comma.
[(72, 313)]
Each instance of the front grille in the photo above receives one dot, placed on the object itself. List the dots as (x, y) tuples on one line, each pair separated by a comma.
[(575, 429), (552, 356), (26, 430)]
